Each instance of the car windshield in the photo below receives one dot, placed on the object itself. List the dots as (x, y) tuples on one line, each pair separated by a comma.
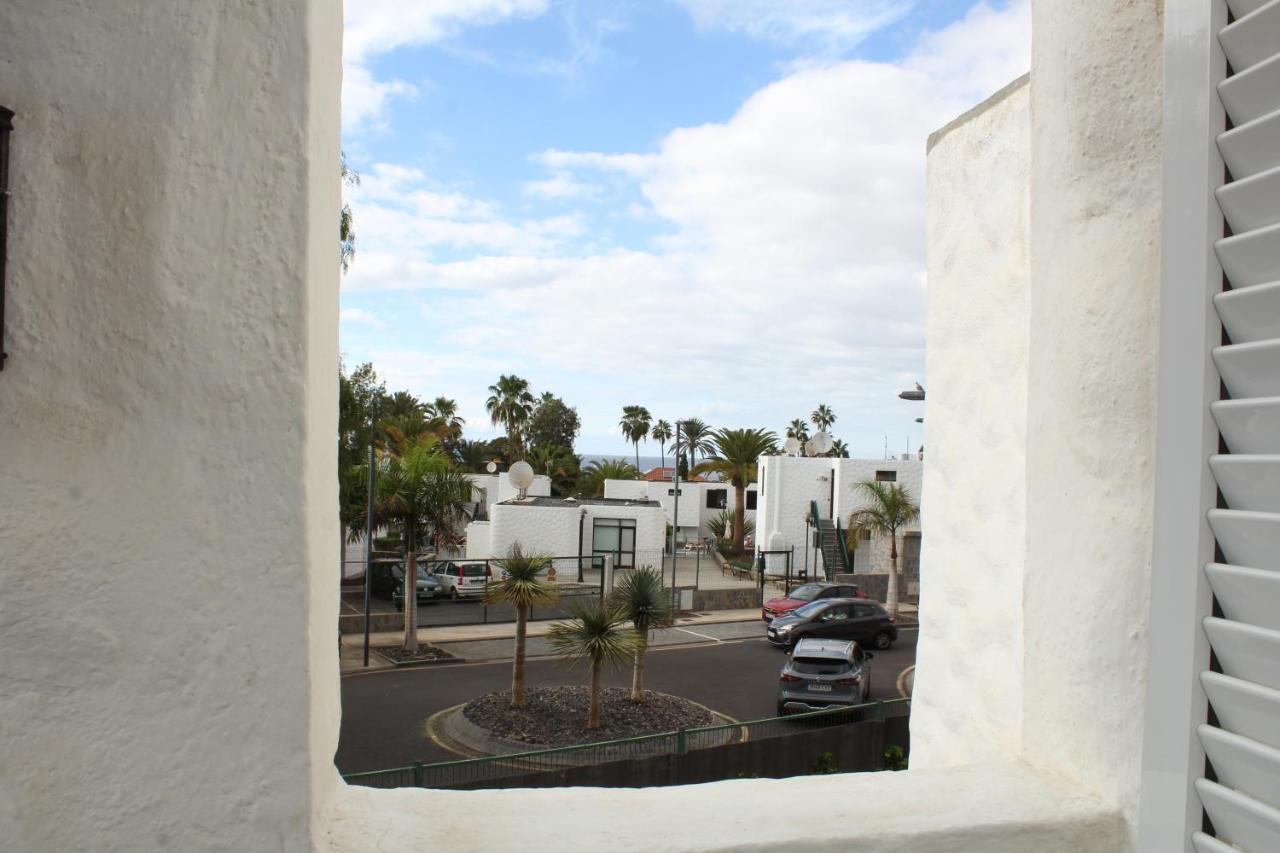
[(820, 666), (808, 592), (810, 609)]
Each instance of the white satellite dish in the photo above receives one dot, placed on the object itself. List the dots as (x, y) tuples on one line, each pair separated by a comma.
[(823, 442), (811, 448), (792, 446), (492, 467), (521, 476)]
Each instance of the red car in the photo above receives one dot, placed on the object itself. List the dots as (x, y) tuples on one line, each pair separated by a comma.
[(802, 595)]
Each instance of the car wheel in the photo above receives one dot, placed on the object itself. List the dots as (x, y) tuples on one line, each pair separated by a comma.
[(782, 712), (453, 593), (883, 640)]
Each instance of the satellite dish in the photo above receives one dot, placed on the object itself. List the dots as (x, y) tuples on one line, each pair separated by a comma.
[(811, 448), (792, 446), (822, 442), (521, 475), (492, 467)]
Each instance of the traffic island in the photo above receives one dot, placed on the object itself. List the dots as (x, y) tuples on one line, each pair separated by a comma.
[(426, 655)]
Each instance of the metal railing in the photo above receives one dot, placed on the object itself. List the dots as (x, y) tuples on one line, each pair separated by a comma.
[(491, 770)]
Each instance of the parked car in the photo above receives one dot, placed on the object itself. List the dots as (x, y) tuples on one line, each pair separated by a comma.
[(835, 619), (387, 580), (822, 674), (463, 579), (804, 594)]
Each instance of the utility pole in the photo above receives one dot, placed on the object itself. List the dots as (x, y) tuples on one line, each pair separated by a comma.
[(675, 513), (368, 551)]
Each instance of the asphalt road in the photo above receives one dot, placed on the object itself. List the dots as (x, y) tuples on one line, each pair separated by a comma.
[(384, 712)]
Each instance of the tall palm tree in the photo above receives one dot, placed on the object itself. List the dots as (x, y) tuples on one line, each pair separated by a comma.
[(474, 456), (738, 452), (447, 410), (839, 449), (662, 433), (591, 484), (523, 588), (511, 404), (561, 464), (399, 431), (421, 493), (822, 417), (595, 633), (643, 602), (695, 437), (890, 508), (635, 426), (798, 430), (402, 404)]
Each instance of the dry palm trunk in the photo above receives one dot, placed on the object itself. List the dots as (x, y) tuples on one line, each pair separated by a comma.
[(593, 714), (410, 602), (637, 673), (517, 666)]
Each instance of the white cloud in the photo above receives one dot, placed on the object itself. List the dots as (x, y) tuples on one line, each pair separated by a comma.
[(792, 273), (834, 25), (561, 185), (360, 317)]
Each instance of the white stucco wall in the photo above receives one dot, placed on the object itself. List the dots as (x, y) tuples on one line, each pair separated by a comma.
[(495, 488), (694, 514), (626, 490), (478, 540), (969, 706), (554, 530), (787, 487), (167, 472)]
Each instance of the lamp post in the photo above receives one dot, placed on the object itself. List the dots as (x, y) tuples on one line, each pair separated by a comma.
[(675, 513), (368, 548)]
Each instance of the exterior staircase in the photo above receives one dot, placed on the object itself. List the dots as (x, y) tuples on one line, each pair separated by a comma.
[(835, 553)]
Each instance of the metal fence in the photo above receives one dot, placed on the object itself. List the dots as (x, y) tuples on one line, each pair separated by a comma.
[(491, 771)]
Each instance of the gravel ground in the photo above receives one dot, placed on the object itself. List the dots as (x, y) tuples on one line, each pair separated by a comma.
[(425, 652), (557, 716)]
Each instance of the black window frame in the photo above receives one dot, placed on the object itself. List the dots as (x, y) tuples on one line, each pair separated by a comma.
[(887, 476), (750, 501), (722, 498)]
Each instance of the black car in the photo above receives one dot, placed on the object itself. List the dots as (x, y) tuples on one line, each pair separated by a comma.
[(835, 619), (387, 581)]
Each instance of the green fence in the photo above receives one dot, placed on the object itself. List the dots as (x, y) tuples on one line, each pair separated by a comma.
[(492, 769)]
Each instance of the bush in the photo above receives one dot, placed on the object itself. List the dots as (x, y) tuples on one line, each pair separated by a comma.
[(824, 764), (894, 758)]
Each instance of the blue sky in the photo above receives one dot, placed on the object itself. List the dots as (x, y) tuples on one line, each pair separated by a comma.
[(712, 208)]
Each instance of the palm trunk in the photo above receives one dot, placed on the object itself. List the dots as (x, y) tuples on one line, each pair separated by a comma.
[(891, 603), (662, 448), (517, 666), (637, 456), (739, 517), (637, 673), (593, 713), (410, 600)]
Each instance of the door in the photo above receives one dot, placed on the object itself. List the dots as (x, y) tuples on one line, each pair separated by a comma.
[(835, 623), (866, 622), (615, 537)]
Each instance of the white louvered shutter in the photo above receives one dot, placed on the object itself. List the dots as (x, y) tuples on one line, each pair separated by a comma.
[(1243, 747)]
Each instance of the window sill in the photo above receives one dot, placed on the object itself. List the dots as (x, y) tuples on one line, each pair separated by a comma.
[(990, 808)]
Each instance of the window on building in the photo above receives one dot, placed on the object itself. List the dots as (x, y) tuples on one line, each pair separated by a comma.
[(615, 537), (751, 500), (717, 498), (886, 476), (672, 492)]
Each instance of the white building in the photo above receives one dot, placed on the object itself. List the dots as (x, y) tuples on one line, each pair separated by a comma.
[(793, 488), (491, 489), (1075, 364), (631, 531), (700, 502)]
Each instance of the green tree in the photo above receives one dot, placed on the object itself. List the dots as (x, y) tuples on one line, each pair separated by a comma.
[(635, 426), (475, 456), (420, 493), (558, 463), (822, 417), (720, 526), (889, 509), (591, 483), (522, 588), (695, 438), (447, 411), (798, 430), (403, 404), (662, 433), (597, 634), (738, 452), (554, 423), (397, 432), (647, 606), (511, 404), (346, 222), (361, 397), (839, 449)]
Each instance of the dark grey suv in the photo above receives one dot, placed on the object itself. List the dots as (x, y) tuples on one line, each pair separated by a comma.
[(835, 619), (822, 674)]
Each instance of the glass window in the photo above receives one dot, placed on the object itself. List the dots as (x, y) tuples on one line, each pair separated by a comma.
[(819, 666), (717, 498), (617, 537), (810, 609), (808, 592), (886, 476), (751, 500)]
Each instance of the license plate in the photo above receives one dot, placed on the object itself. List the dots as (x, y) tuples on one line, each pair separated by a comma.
[(772, 633), (819, 688)]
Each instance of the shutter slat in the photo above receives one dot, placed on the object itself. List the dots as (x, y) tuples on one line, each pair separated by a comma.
[(1250, 370), (1246, 651), (1247, 766), (1240, 820), (1240, 8), (1249, 426), (1246, 594), (1251, 148), (1253, 37), (1253, 257), (1251, 313), (1252, 94), (1209, 844), (1249, 710), (1253, 202), (1248, 482), (1248, 538)]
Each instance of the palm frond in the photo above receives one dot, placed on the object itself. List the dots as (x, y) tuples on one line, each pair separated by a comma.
[(523, 585), (643, 601), (597, 633)]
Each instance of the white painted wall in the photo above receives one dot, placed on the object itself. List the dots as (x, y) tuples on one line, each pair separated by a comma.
[(788, 485), (495, 488), (478, 541), (554, 530), (694, 514), (969, 706), (167, 471)]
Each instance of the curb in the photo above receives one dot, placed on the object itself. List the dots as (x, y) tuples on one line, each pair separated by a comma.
[(412, 664)]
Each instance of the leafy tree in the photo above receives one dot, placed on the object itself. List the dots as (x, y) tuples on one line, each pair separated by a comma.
[(695, 438), (397, 432), (646, 605), (475, 456), (721, 525), (523, 588), (890, 508), (822, 417), (558, 463), (346, 222), (361, 397), (597, 634), (635, 426), (511, 404), (420, 493), (554, 423), (737, 453), (403, 404), (591, 483), (662, 433)]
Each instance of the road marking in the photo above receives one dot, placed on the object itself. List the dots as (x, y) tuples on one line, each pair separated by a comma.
[(696, 634)]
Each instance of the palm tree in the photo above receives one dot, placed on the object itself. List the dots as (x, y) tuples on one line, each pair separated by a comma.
[(839, 449), (591, 483), (511, 404), (523, 588), (696, 438), (822, 417), (720, 525), (474, 456), (597, 633), (635, 426), (643, 602), (662, 433), (399, 431), (402, 403), (737, 453), (799, 430), (561, 464), (420, 493), (447, 411), (890, 509)]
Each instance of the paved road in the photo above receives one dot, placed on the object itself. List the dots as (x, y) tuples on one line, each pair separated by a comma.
[(384, 712)]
